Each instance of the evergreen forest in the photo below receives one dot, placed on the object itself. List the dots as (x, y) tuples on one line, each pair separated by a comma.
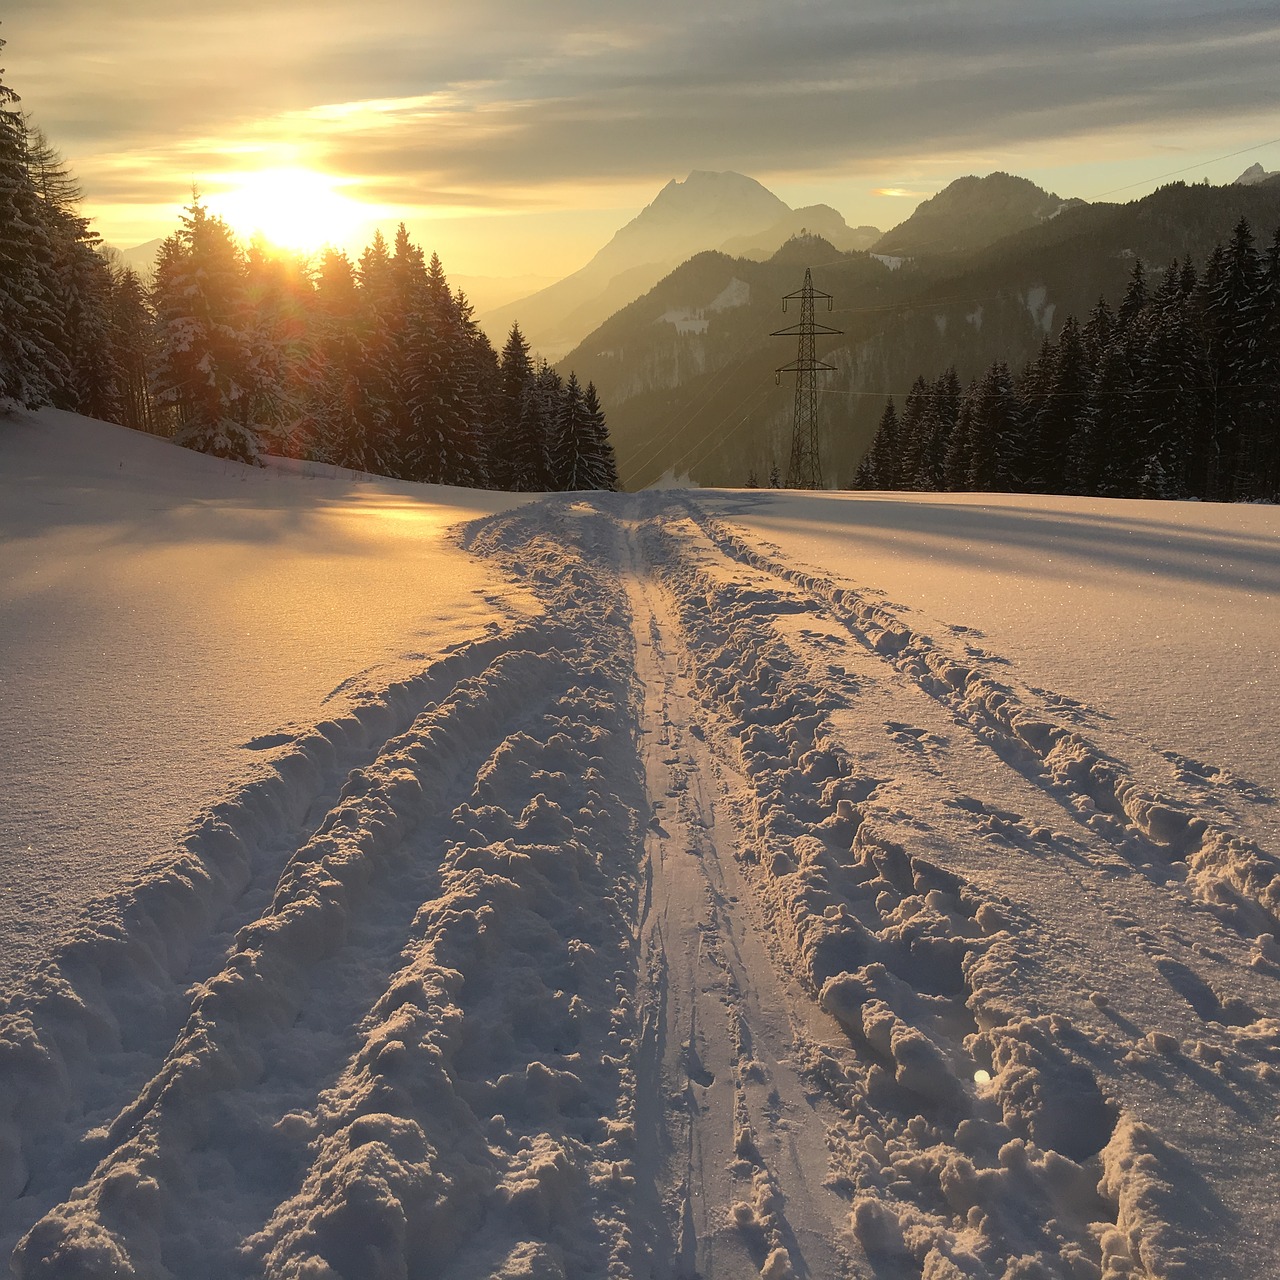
[(1173, 394), (376, 365)]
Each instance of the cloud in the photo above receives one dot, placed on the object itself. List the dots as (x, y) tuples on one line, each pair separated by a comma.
[(488, 103)]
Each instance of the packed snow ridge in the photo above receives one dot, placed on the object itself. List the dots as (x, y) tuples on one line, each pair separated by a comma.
[(712, 919)]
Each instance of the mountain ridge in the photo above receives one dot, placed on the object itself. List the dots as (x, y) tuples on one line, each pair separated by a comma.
[(701, 396), (705, 211)]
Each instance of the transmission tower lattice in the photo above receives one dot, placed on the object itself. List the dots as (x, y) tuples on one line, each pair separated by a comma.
[(804, 471)]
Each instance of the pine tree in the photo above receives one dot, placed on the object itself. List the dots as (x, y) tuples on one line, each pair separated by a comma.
[(879, 466), (79, 287), (1268, 457), (995, 425), (571, 441), (959, 455), (1230, 315), (1135, 298), (1061, 413), (444, 399), (279, 295), (946, 396), (538, 410), (603, 467), (132, 340), (338, 412), (516, 376), (33, 368), (1173, 406), (204, 368), (1098, 332), (915, 438), (383, 361), (1018, 447), (1107, 421)]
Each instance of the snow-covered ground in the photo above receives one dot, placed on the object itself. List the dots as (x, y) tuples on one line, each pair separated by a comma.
[(166, 615), (677, 884)]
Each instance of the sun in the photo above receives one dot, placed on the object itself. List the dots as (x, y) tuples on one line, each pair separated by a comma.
[(293, 208)]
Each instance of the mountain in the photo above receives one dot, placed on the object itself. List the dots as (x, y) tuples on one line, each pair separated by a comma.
[(142, 257), (814, 219), (705, 211), (970, 213), (686, 371), (1255, 174)]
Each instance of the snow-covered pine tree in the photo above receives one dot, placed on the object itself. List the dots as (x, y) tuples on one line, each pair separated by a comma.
[(946, 393), (1108, 437), (204, 374), (1135, 297), (516, 376), (1018, 451), (337, 409), (915, 437), (279, 295), (1172, 401), (571, 442), (383, 363), (959, 453), (995, 431), (1097, 333), (1269, 372), (603, 466), (444, 401), (79, 287), (33, 368), (529, 446)]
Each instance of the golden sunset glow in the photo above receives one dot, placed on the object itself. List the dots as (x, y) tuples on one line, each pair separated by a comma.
[(293, 208)]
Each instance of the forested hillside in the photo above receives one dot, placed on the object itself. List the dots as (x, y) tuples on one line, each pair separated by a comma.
[(376, 365), (1174, 395), (689, 378)]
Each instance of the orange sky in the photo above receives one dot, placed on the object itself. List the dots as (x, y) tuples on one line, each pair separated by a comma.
[(515, 140)]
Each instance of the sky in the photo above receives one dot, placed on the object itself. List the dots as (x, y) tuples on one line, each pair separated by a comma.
[(515, 138)]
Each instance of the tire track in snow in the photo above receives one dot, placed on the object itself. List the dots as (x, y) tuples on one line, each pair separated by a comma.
[(92, 1024), (460, 1035), (732, 1153), (909, 954), (1229, 874), (487, 857)]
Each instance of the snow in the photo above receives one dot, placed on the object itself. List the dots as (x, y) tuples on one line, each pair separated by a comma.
[(166, 616), (679, 883), (1160, 616)]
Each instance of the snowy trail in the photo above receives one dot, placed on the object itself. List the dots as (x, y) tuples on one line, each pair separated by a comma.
[(725, 1124), (719, 921)]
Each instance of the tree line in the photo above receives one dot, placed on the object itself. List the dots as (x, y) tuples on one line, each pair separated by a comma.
[(376, 364), (1174, 394)]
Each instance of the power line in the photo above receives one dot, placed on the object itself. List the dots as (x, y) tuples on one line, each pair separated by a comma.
[(1244, 151)]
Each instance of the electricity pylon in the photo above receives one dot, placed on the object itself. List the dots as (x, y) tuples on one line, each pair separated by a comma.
[(805, 470)]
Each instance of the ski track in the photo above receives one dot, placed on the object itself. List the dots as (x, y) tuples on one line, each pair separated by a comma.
[(718, 922)]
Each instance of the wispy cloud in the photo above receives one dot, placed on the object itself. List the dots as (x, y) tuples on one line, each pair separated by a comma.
[(489, 103)]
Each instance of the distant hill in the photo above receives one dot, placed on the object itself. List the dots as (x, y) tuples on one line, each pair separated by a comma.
[(971, 213), (814, 219), (705, 211), (686, 371), (142, 257)]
